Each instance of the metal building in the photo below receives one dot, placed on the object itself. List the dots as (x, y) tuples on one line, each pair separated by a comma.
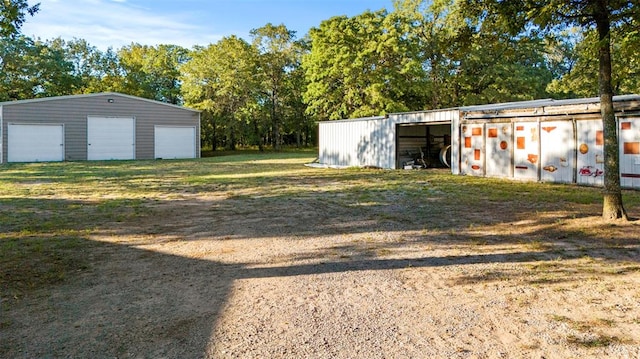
[(549, 140), (102, 126), (542, 140), (393, 141)]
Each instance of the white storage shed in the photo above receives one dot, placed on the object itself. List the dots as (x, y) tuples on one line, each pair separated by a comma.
[(392, 141), (542, 140)]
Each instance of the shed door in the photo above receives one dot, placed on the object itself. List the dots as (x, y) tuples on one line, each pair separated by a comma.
[(35, 143), (499, 149), (526, 150), (590, 152), (110, 138), (557, 151), (630, 152), (175, 142)]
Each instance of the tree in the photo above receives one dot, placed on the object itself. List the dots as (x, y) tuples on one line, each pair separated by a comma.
[(153, 71), (277, 48), (602, 16), (12, 16), (361, 66), (31, 69), (581, 77), (469, 60), (221, 80)]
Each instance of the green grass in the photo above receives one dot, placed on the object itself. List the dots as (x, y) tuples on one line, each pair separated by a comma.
[(50, 210)]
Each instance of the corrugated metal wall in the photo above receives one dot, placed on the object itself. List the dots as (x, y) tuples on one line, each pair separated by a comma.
[(372, 141), (629, 130), (565, 150), (72, 111)]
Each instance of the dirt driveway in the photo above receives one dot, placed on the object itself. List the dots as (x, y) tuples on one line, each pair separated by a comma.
[(313, 263)]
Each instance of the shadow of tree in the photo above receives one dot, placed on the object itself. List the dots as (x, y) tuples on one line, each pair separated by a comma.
[(108, 278)]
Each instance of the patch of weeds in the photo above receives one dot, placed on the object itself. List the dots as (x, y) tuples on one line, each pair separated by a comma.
[(595, 341), (537, 245), (383, 252), (29, 263), (587, 339)]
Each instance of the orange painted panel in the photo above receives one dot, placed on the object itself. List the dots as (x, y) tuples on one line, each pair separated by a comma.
[(476, 155), (492, 132), (467, 142), (549, 128), (520, 141), (476, 131), (625, 125), (599, 138), (632, 148), (519, 128)]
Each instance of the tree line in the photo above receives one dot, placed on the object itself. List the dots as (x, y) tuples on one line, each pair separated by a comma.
[(269, 90)]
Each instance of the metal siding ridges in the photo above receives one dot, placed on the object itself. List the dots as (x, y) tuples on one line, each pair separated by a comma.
[(370, 141), (629, 132), (557, 148), (74, 110), (589, 153)]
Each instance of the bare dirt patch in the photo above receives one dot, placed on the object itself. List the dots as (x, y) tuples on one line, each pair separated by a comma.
[(316, 263)]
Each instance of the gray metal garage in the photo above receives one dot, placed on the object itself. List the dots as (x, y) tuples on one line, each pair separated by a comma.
[(102, 126)]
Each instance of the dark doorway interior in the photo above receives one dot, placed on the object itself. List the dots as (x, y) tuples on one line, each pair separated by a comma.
[(423, 145)]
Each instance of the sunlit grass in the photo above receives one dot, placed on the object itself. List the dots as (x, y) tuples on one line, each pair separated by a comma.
[(49, 210)]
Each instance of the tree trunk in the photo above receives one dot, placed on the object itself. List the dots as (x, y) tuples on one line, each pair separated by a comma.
[(612, 208)]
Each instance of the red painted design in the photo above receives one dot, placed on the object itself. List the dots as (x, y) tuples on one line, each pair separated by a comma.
[(549, 128), (599, 138), (631, 148), (467, 142), (589, 171)]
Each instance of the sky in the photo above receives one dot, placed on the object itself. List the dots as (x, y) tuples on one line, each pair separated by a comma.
[(117, 23)]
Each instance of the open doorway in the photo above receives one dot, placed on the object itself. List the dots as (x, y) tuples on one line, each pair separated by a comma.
[(421, 145)]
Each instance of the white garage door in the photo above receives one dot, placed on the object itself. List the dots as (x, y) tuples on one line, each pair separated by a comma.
[(175, 142), (35, 143), (110, 138)]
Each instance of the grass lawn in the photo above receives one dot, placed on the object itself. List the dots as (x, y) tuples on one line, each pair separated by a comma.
[(61, 222)]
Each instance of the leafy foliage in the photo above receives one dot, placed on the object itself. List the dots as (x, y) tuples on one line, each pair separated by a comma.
[(12, 16), (422, 54)]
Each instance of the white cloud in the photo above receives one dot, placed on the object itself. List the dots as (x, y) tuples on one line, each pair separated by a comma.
[(116, 23)]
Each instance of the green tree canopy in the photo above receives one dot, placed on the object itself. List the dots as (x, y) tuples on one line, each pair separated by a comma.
[(12, 16)]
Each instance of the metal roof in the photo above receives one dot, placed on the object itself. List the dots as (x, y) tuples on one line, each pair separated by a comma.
[(43, 99), (544, 103)]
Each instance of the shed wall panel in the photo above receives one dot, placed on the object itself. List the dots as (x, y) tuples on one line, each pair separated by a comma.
[(557, 151), (589, 153), (629, 140), (499, 145), (472, 152), (526, 150)]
